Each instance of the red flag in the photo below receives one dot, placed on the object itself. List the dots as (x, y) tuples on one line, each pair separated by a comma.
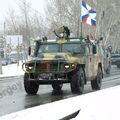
[(91, 37)]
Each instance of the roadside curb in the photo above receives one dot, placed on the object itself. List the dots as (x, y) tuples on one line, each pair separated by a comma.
[(113, 77), (11, 76)]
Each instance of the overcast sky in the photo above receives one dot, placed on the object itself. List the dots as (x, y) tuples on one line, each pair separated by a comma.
[(5, 5)]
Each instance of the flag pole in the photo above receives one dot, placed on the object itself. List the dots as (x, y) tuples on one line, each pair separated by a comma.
[(81, 29), (79, 26), (81, 19)]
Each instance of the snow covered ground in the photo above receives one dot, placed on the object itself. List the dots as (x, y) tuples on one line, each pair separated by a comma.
[(100, 105), (12, 70)]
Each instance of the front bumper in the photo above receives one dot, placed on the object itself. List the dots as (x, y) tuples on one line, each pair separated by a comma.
[(47, 82), (48, 67)]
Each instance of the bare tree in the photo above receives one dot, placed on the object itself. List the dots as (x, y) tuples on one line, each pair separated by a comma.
[(12, 22), (25, 11), (28, 23), (66, 13)]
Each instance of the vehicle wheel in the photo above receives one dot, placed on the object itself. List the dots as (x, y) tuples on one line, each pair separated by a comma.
[(57, 86), (78, 81), (96, 84), (30, 86)]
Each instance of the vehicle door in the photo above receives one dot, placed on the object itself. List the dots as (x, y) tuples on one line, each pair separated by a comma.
[(89, 62)]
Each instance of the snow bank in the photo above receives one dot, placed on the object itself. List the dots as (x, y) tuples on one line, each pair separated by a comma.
[(100, 105), (12, 70)]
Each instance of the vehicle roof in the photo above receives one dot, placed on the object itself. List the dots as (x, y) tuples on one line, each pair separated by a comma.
[(59, 41)]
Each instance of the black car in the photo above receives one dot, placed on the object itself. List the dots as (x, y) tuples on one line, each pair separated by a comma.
[(115, 59)]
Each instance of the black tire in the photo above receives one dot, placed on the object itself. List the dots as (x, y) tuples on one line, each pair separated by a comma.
[(30, 86), (56, 86), (78, 81), (96, 84)]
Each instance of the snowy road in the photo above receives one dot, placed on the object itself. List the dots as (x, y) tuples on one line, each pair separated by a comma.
[(13, 97)]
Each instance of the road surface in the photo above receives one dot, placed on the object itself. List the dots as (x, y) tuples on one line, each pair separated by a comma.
[(13, 97)]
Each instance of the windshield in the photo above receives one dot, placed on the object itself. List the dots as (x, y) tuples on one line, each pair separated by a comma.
[(74, 48), (48, 48)]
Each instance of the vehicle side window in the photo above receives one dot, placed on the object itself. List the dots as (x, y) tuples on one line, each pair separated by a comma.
[(94, 49)]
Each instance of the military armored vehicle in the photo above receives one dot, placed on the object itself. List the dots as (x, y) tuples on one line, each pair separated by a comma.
[(115, 59), (64, 60)]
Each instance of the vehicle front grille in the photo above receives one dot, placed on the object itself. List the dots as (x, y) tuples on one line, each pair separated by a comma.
[(50, 67)]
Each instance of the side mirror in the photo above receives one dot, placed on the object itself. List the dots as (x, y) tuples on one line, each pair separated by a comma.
[(29, 50), (94, 49)]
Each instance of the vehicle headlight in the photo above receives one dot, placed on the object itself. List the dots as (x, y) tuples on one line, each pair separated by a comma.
[(67, 66), (73, 66), (29, 67)]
